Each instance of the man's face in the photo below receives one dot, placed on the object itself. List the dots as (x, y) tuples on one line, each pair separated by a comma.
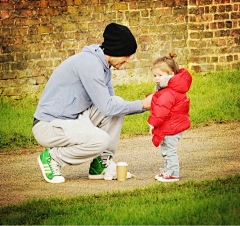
[(117, 62)]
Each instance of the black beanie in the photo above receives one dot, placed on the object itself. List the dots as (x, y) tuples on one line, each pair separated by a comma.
[(118, 41)]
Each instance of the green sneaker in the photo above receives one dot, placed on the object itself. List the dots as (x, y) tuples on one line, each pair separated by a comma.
[(50, 169), (97, 169)]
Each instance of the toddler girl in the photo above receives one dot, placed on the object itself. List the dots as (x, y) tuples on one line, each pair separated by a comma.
[(169, 113)]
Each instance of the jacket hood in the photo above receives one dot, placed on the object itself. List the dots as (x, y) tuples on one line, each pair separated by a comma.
[(181, 82), (98, 52)]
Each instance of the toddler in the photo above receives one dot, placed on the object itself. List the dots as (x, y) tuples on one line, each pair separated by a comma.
[(169, 113)]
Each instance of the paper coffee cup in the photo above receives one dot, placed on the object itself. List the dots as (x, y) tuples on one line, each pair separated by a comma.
[(122, 168)]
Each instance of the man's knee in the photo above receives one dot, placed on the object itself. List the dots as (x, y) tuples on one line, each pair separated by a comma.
[(102, 141)]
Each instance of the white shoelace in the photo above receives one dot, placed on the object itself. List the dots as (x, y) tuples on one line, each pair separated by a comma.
[(106, 161), (55, 168), (165, 174)]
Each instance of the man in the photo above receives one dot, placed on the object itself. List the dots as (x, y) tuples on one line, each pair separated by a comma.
[(78, 116)]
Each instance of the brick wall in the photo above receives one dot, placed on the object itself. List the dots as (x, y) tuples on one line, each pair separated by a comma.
[(214, 34), (36, 35)]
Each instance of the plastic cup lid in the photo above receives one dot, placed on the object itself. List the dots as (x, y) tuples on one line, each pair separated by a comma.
[(122, 164)]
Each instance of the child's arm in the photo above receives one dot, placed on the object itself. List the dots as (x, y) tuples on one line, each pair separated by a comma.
[(161, 110)]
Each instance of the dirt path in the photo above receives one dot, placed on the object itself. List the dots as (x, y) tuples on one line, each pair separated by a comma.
[(205, 153)]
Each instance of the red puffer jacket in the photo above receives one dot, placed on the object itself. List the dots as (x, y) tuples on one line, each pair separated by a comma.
[(170, 107)]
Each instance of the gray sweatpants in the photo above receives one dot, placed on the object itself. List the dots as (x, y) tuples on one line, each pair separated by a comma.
[(80, 140), (168, 150)]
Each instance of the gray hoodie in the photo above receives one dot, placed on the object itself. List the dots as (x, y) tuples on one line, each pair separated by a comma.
[(78, 82)]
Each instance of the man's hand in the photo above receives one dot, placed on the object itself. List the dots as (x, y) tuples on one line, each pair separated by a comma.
[(146, 103)]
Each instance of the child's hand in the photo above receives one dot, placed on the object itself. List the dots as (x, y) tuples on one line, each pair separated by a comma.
[(150, 129)]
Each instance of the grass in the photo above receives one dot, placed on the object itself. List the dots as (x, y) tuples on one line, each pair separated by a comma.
[(192, 203), (16, 123), (214, 98)]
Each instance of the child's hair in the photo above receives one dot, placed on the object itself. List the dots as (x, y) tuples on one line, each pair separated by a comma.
[(167, 64)]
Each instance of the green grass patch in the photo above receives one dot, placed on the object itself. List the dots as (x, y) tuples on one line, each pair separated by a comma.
[(214, 98), (192, 203), (16, 123)]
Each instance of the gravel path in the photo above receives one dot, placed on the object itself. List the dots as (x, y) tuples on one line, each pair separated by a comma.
[(204, 153)]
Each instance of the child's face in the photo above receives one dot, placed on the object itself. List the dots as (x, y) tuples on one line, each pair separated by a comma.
[(158, 75)]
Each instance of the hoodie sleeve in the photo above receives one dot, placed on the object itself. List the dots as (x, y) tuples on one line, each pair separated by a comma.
[(161, 108), (110, 88), (99, 89)]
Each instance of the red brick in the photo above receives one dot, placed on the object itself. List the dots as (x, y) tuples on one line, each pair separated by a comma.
[(207, 17), (221, 1), (145, 5), (207, 10), (43, 29), (222, 33), (228, 24), (196, 26), (19, 40), (5, 83), (192, 2), (194, 59), (181, 2), (19, 5), (222, 16), (222, 41), (235, 32), (196, 68), (43, 3), (221, 8), (221, 25), (23, 30), (235, 24), (8, 23), (168, 3), (229, 8), (235, 7), (235, 15), (214, 59), (6, 6), (229, 58), (70, 2), (5, 14), (120, 6), (222, 59), (194, 35), (45, 20), (132, 5), (56, 3), (28, 13), (8, 75), (41, 80), (205, 2), (213, 9)]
